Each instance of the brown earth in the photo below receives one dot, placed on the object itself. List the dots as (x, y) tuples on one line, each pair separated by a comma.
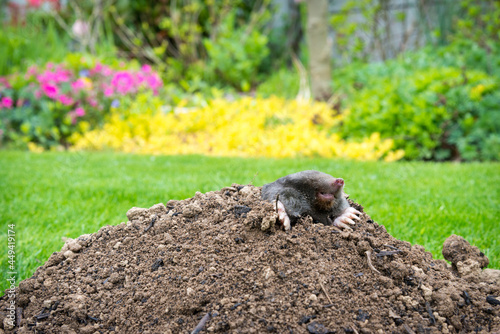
[(220, 254)]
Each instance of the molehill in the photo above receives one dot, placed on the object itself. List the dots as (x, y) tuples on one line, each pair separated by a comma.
[(217, 263)]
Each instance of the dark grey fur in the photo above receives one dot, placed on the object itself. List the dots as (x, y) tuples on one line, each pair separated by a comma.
[(298, 193)]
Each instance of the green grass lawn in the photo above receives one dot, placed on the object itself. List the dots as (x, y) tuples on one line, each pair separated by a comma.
[(53, 195)]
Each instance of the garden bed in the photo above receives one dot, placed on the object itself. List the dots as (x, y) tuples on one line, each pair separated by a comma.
[(218, 257)]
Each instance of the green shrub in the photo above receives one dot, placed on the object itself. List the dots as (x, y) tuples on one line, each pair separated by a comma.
[(37, 41), (200, 43), (433, 112), (236, 54), (282, 83)]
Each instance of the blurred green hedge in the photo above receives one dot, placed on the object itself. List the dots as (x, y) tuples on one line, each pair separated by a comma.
[(433, 111)]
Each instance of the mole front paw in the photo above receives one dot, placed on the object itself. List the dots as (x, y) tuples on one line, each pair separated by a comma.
[(282, 215), (347, 217)]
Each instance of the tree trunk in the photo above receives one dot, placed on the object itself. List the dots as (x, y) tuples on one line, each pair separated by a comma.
[(319, 49)]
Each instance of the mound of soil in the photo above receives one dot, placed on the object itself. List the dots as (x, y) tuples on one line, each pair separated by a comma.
[(218, 261)]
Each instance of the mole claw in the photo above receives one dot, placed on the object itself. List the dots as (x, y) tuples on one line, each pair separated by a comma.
[(353, 210), (349, 220), (339, 222), (282, 216), (350, 215), (344, 226), (286, 224)]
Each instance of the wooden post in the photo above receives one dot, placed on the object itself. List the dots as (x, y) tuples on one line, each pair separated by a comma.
[(319, 49)]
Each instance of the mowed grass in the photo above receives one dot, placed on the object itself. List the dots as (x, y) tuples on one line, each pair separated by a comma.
[(53, 195)]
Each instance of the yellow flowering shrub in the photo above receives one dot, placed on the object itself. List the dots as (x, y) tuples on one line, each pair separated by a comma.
[(272, 127), (477, 92)]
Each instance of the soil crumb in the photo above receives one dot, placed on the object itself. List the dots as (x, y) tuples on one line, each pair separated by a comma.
[(456, 249), (218, 263)]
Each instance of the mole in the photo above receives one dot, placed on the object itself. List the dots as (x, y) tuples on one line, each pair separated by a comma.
[(312, 193)]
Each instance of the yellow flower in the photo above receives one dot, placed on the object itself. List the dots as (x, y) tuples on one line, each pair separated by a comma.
[(271, 127), (477, 92), (35, 147), (87, 83)]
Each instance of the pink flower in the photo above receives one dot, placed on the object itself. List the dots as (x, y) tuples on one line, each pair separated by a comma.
[(146, 68), (123, 81), (62, 75), (55, 77), (101, 69), (32, 70), (78, 85), (80, 29), (98, 67), (38, 94), (4, 82), (35, 3), (154, 81), (108, 91), (50, 90), (65, 100), (79, 112), (106, 71), (140, 77), (45, 77), (73, 117), (92, 102), (7, 102)]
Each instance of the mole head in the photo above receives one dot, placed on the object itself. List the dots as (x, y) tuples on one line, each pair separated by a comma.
[(327, 194)]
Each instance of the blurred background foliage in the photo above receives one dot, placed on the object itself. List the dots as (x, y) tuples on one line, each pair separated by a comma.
[(423, 74)]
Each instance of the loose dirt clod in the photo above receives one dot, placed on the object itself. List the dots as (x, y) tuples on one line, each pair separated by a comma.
[(217, 263), (457, 249)]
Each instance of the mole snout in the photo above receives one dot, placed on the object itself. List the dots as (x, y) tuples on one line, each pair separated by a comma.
[(338, 184)]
